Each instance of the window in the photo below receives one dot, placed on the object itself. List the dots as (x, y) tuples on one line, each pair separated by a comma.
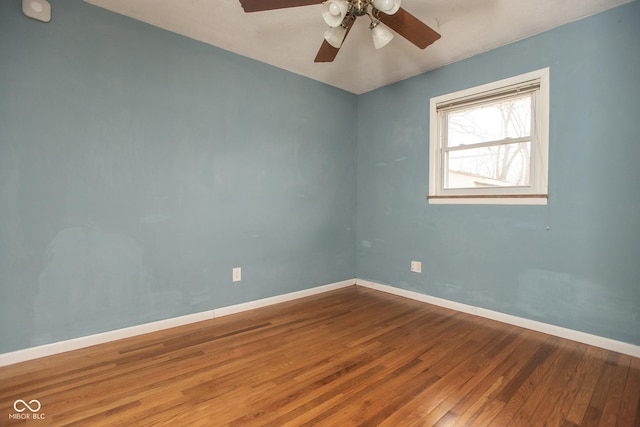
[(490, 144)]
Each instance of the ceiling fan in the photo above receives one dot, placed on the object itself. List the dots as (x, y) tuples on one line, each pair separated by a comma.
[(341, 14)]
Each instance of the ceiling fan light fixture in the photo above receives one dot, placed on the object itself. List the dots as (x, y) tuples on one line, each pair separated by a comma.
[(387, 6), (381, 35), (335, 36), (340, 15), (334, 12)]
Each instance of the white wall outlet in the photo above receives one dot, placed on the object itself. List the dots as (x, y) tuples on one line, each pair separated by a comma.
[(416, 266), (237, 274)]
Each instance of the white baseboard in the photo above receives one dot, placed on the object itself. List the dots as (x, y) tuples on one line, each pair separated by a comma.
[(81, 342), (232, 309), (77, 343), (101, 338), (570, 334)]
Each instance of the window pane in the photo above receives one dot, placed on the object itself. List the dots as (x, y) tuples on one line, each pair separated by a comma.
[(490, 122), (505, 165)]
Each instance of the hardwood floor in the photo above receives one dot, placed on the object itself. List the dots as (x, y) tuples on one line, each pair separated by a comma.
[(348, 357)]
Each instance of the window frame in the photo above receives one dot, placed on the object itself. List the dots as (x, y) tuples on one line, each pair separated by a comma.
[(537, 191)]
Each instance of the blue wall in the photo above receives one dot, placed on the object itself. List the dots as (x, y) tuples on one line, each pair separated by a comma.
[(584, 273), (137, 168)]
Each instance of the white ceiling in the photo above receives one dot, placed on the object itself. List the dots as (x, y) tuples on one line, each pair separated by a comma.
[(290, 38)]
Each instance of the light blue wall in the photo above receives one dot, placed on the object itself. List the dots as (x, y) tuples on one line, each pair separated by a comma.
[(584, 273), (137, 168)]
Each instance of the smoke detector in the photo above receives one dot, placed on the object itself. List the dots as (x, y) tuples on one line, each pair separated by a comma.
[(39, 10)]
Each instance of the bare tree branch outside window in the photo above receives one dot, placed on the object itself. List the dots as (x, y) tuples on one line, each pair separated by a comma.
[(490, 144)]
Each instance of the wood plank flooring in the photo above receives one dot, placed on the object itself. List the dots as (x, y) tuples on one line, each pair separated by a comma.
[(349, 357)]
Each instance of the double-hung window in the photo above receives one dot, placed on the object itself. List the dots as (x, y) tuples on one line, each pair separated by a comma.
[(489, 144)]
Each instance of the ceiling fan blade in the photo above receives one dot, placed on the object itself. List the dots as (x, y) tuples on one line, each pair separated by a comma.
[(260, 5), (328, 53), (410, 27)]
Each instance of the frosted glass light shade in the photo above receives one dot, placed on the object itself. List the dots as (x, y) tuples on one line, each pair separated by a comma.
[(381, 36), (335, 36), (334, 11), (387, 6)]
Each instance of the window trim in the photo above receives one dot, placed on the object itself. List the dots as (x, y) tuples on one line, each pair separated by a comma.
[(537, 192)]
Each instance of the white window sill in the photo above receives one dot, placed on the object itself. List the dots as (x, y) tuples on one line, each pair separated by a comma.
[(471, 200)]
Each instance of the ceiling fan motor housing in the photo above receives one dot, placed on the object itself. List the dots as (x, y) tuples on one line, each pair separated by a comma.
[(360, 7)]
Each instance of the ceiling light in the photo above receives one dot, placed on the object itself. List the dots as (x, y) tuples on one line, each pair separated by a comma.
[(387, 6), (39, 10), (334, 12), (381, 35), (335, 36), (339, 14)]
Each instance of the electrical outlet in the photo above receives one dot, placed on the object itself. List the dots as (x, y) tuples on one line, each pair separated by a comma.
[(416, 266), (237, 274)]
